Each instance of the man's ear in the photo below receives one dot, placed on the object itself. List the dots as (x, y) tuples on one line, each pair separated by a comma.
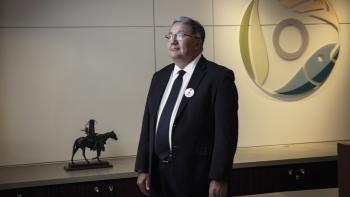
[(198, 45)]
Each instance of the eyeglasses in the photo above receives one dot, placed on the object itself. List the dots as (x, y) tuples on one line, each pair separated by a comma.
[(178, 36)]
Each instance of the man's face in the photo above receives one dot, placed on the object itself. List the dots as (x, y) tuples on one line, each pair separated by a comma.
[(187, 48)]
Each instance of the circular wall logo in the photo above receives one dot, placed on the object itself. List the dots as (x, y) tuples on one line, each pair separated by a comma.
[(296, 56)]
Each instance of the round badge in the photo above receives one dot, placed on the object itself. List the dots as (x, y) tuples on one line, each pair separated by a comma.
[(189, 92)]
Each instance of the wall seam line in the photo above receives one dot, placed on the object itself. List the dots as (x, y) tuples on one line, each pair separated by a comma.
[(154, 38)]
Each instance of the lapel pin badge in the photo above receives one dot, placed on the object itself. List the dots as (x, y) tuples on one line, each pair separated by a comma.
[(189, 92)]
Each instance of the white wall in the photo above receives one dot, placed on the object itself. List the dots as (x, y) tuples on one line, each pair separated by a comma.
[(64, 62)]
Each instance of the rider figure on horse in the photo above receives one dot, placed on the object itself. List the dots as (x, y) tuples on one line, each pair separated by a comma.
[(91, 137), (93, 141)]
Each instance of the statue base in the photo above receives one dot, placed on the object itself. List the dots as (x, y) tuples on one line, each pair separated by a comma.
[(83, 165)]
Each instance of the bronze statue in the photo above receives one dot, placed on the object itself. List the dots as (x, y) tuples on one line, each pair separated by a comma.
[(93, 141)]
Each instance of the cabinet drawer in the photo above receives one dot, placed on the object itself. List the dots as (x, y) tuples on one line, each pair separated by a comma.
[(89, 189), (268, 179), (26, 192), (127, 187), (108, 188)]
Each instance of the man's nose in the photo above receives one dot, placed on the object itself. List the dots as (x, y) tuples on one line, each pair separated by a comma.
[(173, 40)]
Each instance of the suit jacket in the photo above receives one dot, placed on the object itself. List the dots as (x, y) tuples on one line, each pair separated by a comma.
[(205, 130)]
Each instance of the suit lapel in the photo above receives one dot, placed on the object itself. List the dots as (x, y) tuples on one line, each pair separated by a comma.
[(160, 85), (197, 76)]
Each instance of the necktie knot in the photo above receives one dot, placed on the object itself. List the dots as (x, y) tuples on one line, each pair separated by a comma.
[(181, 73)]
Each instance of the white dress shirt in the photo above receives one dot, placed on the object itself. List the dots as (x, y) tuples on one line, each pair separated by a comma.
[(189, 68)]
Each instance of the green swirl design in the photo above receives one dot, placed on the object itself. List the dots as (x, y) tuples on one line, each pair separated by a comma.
[(255, 59), (253, 48)]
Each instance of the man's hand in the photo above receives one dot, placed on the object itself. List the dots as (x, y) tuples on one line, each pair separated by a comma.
[(143, 183), (217, 189)]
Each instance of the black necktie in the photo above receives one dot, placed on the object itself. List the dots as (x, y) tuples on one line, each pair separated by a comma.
[(162, 148)]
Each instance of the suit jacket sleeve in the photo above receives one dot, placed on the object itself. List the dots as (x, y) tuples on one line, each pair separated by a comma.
[(226, 128), (142, 157)]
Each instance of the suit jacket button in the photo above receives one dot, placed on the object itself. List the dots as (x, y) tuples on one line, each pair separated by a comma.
[(174, 125)]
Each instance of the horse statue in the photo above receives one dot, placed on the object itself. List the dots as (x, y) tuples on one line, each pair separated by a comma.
[(93, 141)]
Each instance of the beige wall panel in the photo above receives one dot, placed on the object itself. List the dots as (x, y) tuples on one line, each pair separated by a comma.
[(166, 10), (54, 80), (265, 120), (162, 56), (342, 8), (76, 13), (272, 12), (228, 12)]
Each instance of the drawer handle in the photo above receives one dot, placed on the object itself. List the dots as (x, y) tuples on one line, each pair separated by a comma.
[(111, 188), (96, 189)]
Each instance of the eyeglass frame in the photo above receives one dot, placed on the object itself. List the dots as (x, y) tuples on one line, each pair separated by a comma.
[(182, 35)]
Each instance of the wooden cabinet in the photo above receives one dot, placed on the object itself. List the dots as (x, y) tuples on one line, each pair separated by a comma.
[(109, 188), (244, 181), (278, 178), (344, 169)]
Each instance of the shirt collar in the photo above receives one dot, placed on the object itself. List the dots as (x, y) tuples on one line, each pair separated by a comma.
[(189, 68)]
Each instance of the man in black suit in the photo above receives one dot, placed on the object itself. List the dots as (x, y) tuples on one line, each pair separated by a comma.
[(190, 125)]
